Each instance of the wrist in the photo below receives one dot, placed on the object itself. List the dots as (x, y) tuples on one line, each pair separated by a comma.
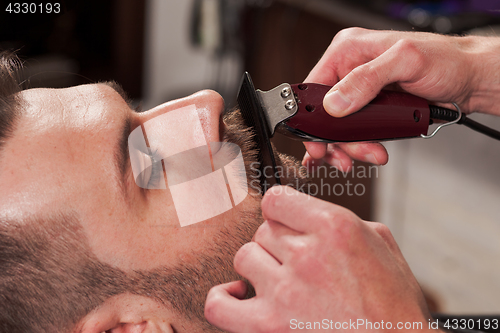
[(483, 61)]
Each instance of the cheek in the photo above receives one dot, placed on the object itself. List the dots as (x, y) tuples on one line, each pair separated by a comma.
[(141, 235)]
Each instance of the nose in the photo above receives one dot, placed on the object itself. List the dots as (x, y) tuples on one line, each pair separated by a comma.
[(204, 107)]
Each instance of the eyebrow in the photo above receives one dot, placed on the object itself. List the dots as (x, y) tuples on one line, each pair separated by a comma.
[(122, 153), (119, 89)]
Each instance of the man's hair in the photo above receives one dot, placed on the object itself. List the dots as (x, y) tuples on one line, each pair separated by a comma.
[(9, 86)]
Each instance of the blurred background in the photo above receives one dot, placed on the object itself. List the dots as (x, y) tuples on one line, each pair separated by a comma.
[(440, 197)]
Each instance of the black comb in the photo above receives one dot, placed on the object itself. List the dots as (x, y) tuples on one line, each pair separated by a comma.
[(254, 118)]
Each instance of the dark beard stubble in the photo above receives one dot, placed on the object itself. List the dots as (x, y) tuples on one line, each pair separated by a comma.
[(185, 286)]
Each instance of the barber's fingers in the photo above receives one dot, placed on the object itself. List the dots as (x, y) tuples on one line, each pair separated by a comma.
[(316, 150), (256, 264), (279, 240), (370, 152), (338, 158), (341, 155), (385, 233), (224, 307), (297, 210), (400, 63), (310, 163), (350, 48)]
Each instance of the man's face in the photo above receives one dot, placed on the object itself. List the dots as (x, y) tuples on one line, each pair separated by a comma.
[(69, 155)]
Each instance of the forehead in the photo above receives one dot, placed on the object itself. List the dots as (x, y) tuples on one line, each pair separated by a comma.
[(74, 106), (60, 144)]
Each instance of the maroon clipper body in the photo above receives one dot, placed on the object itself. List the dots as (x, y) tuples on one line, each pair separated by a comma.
[(297, 111), (391, 115)]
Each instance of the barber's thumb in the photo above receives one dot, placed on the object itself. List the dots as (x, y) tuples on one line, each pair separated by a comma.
[(223, 307), (336, 103), (354, 91)]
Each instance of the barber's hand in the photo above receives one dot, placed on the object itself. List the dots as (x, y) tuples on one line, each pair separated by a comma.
[(312, 260), (441, 69)]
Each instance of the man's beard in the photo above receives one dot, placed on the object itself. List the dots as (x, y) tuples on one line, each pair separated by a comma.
[(185, 286)]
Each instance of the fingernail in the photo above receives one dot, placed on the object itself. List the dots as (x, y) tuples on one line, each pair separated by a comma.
[(371, 158), (335, 103)]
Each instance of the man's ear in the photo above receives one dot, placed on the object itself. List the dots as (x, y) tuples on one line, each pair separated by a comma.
[(127, 313)]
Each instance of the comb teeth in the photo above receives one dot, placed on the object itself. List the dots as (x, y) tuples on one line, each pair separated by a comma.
[(254, 118)]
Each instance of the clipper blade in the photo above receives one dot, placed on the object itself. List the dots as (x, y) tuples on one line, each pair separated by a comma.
[(254, 118)]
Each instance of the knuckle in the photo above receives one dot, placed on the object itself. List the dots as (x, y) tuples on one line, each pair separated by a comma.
[(348, 34), (211, 305), (327, 221), (410, 50), (279, 197), (382, 229), (384, 232), (298, 249), (242, 254), (269, 201), (365, 78), (405, 44), (326, 215), (339, 222)]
